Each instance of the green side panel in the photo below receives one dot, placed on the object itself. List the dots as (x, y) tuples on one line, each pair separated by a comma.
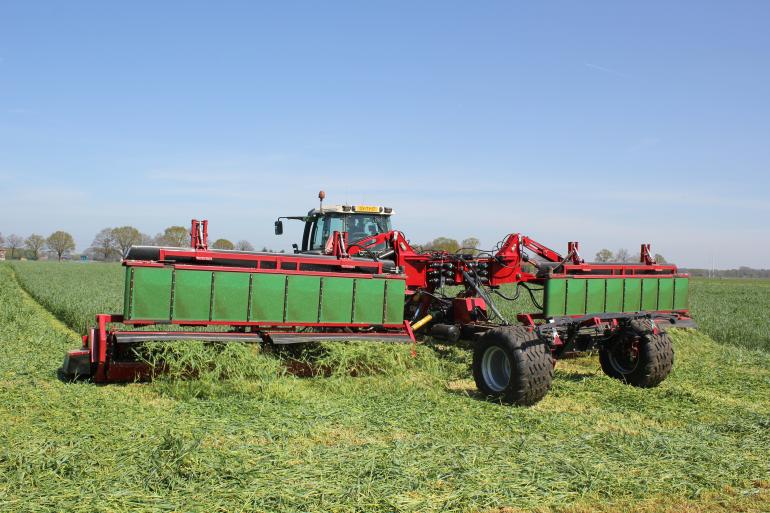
[(554, 297), (369, 301), (336, 299), (649, 294), (394, 301), (268, 292), (681, 290), (614, 300), (632, 295), (595, 296), (302, 295), (666, 294), (192, 295), (127, 294), (576, 297), (231, 296), (151, 294)]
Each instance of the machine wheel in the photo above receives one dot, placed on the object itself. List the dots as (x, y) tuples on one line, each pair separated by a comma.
[(513, 364), (642, 359)]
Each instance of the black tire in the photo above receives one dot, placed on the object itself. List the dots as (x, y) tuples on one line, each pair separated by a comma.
[(513, 365), (639, 358)]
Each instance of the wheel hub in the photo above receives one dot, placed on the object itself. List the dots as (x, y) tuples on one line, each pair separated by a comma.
[(496, 369), (625, 355)]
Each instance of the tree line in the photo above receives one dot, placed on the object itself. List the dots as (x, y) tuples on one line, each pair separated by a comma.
[(109, 244), (622, 256), (741, 272), (471, 245), (58, 243), (113, 243)]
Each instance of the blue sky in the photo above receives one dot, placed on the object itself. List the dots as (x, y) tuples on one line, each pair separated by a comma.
[(611, 123)]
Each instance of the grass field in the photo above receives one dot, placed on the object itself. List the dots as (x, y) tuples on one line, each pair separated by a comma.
[(405, 434)]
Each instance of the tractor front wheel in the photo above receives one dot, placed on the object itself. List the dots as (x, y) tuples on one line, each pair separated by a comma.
[(513, 365), (642, 359)]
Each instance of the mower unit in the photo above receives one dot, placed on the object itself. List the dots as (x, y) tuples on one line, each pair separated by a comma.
[(357, 279)]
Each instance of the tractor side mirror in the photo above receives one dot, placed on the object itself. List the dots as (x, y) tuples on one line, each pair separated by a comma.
[(278, 227)]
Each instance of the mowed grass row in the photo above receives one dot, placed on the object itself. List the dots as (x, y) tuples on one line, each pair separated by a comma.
[(74, 292), (406, 434)]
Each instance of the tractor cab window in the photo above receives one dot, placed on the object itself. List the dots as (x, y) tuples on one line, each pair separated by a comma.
[(358, 226), (324, 227)]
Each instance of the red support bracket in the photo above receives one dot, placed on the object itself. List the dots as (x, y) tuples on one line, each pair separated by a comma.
[(199, 235), (573, 253), (339, 244), (645, 257)]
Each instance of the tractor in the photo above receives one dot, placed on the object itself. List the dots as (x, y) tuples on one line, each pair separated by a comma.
[(355, 278)]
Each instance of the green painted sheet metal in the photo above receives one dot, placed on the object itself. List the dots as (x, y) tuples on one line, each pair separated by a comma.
[(230, 298), (614, 300), (302, 297), (585, 296), (555, 297), (394, 301), (681, 286), (595, 295), (369, 301), (163, 294), (666, 294), (192, 295), (649, 294), (268, 292), (127, 293), (576, 297), (337, 299), (151, 293), (632, 295)]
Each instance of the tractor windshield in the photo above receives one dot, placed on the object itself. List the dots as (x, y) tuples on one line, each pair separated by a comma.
[(358, 226)]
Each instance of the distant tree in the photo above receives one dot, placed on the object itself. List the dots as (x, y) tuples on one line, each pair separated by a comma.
[(175, 236), (104, 247), (147, 240), (60, 243), (125, 237), (244, 245), (223, 244), (442, 244), (622, 255), (659, 259), (604, 255), (34, 244), (13, 243), (2, 240), (471, 245)]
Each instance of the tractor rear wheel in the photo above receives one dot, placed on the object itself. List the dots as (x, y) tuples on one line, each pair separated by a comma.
[(640, 358), (513, 365)]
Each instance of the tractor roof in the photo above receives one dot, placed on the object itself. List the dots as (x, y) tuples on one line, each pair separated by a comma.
[(352, 209)]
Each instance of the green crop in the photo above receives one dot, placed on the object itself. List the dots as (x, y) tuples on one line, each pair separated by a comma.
[(733, 311), (357, 427)]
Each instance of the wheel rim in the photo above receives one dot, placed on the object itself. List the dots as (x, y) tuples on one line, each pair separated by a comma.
[(624, 355), (496, 369)]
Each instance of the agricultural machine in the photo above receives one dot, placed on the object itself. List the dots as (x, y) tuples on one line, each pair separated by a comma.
[(354, 278)]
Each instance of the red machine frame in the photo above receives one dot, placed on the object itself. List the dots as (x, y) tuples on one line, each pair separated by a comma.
[(423, 271)]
